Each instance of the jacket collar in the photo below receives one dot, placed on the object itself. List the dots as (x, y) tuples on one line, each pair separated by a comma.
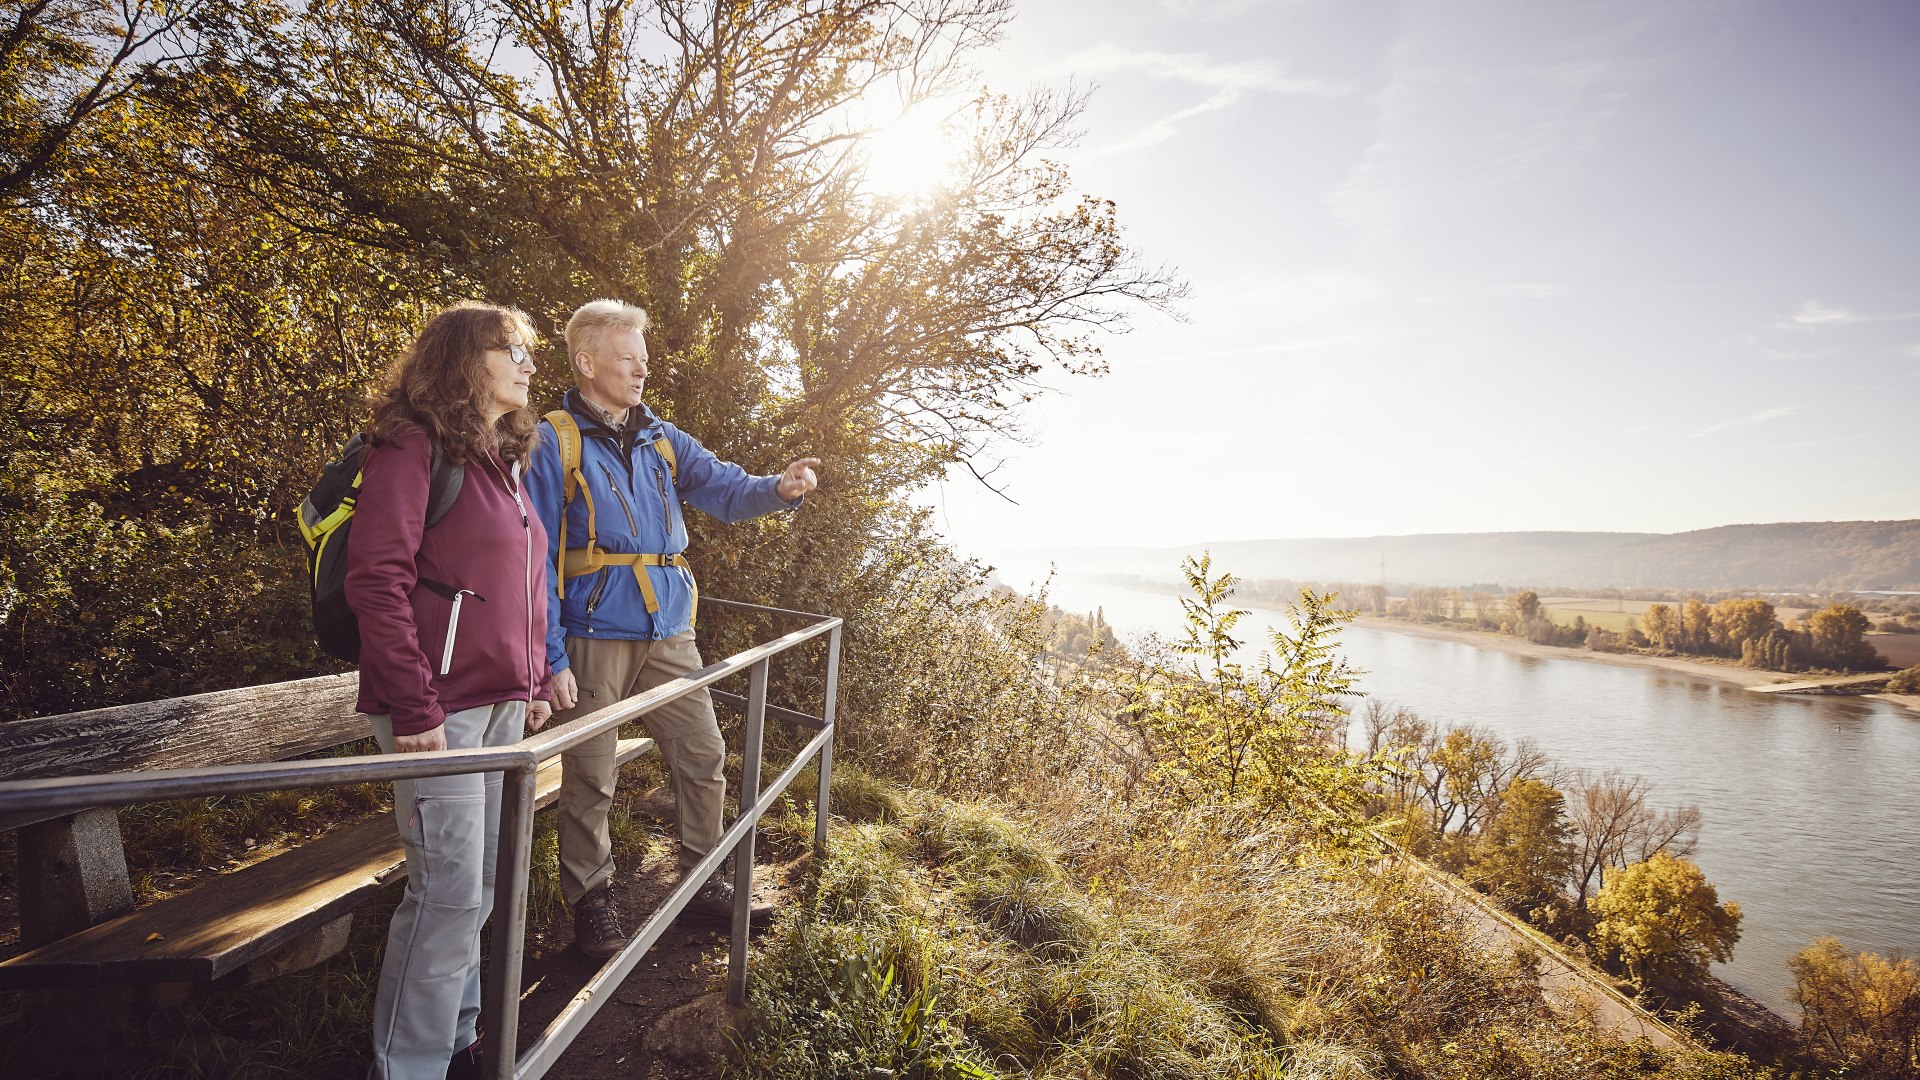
[(640, 419)]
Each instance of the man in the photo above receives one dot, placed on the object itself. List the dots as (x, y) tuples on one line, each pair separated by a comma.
[(621, 606)]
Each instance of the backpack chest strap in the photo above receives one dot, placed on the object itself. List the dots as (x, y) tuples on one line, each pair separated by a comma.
[(579, 561)]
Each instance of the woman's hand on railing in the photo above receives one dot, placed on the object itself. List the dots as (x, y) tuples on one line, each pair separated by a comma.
[(538, 713), (434, 738)]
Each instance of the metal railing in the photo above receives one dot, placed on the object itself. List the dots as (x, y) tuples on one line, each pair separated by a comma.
[(500, 1008)]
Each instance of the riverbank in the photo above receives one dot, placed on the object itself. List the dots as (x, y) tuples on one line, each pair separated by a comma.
[(1745, 677)]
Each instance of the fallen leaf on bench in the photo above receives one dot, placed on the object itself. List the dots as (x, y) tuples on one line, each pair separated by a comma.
[(156, 936)]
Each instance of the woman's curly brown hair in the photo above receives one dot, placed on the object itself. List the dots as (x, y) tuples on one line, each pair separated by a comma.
[(441, 384)]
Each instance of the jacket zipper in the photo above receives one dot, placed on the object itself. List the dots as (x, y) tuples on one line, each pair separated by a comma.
[(666, 509), (526, 529), (600, 582), (632, 525)]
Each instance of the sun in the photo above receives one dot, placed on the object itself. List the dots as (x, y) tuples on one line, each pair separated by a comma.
[(910, 155)]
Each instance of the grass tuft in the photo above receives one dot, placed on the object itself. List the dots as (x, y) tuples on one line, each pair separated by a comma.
[(857, 795), (1042, 915)]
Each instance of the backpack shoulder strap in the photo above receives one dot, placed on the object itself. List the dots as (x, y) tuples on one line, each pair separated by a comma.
[(566, 432), (666, 451), (444, 487)]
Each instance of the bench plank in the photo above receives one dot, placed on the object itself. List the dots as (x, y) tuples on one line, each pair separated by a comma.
[(222, 925)]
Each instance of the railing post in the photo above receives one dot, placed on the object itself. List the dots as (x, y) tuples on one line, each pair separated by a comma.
[(501, 1004), (826, 748), (743, 854)]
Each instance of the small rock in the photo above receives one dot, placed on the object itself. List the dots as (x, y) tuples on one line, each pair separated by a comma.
[(696, 1034)]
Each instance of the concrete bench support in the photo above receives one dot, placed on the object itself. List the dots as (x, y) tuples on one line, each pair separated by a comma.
[(73, 874)]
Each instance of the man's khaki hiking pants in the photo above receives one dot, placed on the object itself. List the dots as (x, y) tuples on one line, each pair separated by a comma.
[(688, 735)]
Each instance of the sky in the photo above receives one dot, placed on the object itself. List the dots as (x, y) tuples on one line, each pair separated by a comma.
[(1482, 265)]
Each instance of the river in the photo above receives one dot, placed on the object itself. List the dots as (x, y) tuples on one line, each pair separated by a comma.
[(1811, 804)]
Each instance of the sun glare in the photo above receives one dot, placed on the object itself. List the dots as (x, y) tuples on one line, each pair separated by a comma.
[(910, 155)]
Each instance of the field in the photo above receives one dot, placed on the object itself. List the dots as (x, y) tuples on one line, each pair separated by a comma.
[(1901, 650), (1613, 614), (1606, 614)]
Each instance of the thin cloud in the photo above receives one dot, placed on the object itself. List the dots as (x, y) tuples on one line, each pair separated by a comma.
[(1776, 413), (1815, 314), (1798, 355), (1526, 290), (1213, 11), (1486, 102), (1825, 442), (1279, 347), (1227, 81), (1516, 290)]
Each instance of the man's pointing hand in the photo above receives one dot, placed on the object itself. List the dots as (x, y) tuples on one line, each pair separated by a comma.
[(798, 479)]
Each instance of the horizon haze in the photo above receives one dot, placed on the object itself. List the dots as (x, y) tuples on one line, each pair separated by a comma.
[(1781, 556)]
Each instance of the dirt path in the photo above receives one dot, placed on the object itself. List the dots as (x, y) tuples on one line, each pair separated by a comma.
[(1568, 985), (683, 966)]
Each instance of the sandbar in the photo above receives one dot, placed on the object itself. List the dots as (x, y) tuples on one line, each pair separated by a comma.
[(1727, 671)]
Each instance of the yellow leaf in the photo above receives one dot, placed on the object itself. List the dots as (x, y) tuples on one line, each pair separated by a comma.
[(156, 936)]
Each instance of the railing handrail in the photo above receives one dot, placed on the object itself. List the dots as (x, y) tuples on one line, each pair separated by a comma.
[(519, 761), (62, 794)]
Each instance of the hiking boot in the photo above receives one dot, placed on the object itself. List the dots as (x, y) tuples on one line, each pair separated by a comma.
[(712, 907), (596, 925), (467, 1064)]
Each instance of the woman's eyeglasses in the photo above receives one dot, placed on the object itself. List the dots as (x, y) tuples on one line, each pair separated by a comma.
[(521, 357)]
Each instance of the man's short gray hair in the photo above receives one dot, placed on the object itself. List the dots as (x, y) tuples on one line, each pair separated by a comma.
[(591, 323)]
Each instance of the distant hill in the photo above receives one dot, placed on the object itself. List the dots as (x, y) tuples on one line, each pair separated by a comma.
[(1787, 556)]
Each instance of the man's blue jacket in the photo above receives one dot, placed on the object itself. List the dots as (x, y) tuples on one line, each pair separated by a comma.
[(636, 502)]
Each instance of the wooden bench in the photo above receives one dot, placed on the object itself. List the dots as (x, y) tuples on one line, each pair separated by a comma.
[(79, 926)]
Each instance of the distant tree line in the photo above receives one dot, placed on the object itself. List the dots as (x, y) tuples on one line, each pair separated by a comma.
[(1833, 637), (1080, 634), (1736, 628)]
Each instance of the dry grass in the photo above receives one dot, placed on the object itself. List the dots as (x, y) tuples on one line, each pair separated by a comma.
[(1078, 938)]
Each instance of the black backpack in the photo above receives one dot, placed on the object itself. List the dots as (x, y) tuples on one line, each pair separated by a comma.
[(326, 522)]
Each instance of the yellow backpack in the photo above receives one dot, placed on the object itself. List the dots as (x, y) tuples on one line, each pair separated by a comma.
[(575, 562)]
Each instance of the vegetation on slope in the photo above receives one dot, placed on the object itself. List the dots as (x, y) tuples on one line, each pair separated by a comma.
[(949, 939), (1169, 881)]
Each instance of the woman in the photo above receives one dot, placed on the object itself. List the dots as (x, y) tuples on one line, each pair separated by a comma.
[(452, 630)]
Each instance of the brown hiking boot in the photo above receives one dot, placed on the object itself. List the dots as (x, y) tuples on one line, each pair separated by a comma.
[(596, 925), (712, 907)]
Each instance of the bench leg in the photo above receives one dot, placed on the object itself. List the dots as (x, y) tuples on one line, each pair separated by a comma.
[(73, 874), (314, 946)]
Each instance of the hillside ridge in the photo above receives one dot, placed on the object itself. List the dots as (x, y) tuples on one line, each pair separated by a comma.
[(1786, 556)]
